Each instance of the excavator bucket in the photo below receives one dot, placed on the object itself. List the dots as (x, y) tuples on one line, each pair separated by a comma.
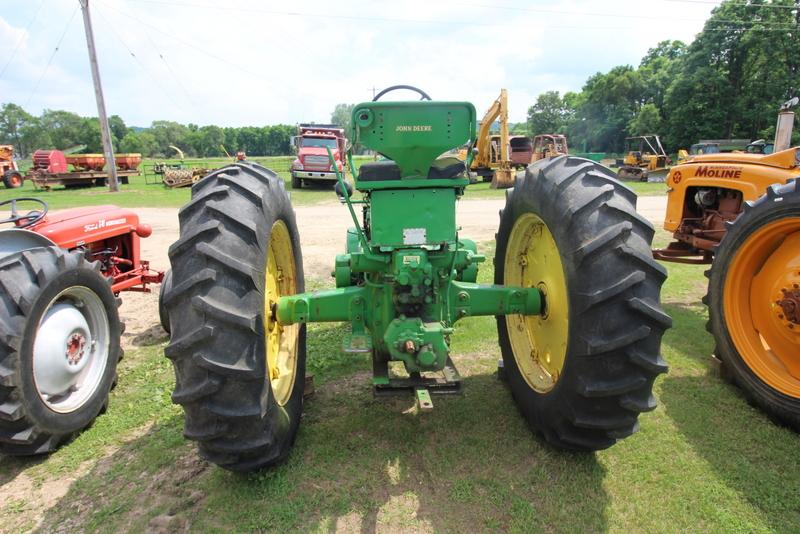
[(502, 179)]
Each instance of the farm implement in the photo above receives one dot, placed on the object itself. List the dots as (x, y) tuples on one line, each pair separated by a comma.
[(576, 292), (52, 168)]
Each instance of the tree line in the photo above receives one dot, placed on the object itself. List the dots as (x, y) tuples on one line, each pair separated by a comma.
[(65, 130), (728, 83)]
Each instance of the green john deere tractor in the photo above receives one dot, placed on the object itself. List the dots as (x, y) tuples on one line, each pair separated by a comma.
[(576, 292)]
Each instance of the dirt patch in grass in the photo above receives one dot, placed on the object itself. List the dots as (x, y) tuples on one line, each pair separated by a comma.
[(25, 500)]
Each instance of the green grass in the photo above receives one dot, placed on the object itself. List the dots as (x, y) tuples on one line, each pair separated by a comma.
[(138, 193), (703, 461)]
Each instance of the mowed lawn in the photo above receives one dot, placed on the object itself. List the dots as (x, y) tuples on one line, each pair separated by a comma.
[(703, 461), (139, 193)]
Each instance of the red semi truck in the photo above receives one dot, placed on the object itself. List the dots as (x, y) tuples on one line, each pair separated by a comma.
[(312, 162)]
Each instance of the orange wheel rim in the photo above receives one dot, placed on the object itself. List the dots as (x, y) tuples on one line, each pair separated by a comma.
[(762, 283)]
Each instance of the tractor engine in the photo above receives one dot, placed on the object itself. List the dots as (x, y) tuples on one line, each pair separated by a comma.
[(113, 255), (706, 211)]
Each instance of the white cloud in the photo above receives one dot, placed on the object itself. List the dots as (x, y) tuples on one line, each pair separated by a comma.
[(246, 62)]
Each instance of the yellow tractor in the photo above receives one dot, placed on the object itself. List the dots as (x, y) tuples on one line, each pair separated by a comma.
[(740, 213), (645, 159), (9, 173)]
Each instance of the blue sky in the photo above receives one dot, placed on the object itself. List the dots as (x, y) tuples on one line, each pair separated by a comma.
[(256, 62)]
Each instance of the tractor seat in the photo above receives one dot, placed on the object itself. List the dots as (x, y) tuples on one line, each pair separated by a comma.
[(379, 171)]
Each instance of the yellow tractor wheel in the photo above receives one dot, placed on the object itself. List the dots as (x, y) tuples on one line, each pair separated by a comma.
[(754, 302), (239, 375), (583, 370)]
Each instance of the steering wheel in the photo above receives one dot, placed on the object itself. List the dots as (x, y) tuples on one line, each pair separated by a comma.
[(30, 218), (422, 93)]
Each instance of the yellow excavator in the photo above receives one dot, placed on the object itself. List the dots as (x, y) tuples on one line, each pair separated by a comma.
[(492, 157)]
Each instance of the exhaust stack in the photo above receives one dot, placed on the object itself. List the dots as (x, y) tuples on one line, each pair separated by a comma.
[(783, 131)]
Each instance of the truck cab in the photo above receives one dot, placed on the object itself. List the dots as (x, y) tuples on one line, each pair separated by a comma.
[(313, 163)]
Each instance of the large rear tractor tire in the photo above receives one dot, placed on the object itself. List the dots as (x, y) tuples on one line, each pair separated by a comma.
[(163, 314), (583, 370), (754, 302), (59, 347), (239, 375)]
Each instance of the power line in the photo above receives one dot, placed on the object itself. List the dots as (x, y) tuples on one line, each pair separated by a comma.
[(21, 38), (169, 68), (302, 14), (183, 41), (135, 57), (193, 46), (49, 61), (737, 4)]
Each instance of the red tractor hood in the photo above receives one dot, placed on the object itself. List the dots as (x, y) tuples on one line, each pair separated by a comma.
[(75, 227)]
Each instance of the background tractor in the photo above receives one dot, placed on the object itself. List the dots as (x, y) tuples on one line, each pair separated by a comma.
[(12, 178), (740, 212), (549, 146), (644, 159), (576, 292), (60, 332)]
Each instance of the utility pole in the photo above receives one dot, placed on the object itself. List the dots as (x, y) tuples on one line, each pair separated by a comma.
[(111, 165)]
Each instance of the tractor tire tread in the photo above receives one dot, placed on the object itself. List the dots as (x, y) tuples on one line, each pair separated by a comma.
[(23, 276), (216, 314), (612, 280), (779, 200)]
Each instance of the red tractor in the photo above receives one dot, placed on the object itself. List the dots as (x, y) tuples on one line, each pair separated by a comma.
[(60, 275)]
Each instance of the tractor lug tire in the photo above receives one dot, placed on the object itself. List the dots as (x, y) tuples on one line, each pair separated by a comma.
[(779, 202), (13, 179), (30, 280), (216, 313), (163, 314), (615, 320)]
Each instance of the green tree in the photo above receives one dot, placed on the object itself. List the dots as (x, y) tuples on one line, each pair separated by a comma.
[(168, 133), (117, 127), (548, 114), (143, 143), (89, 135), (341, 116), (13, 120), (278, 142), (608, 104), (736, 73), (647, 121), (658, 69), (213, 139), (66, 129)]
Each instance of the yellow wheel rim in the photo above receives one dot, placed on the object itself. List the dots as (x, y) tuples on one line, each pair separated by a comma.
[(281, 343), (539, 342), (764, 269)]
